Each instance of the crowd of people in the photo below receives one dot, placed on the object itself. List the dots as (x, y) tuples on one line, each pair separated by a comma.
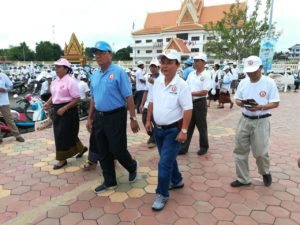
[(172, 104)]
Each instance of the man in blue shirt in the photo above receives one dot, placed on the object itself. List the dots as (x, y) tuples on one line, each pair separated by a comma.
[(188, 68), (5, 87), (107, 120)]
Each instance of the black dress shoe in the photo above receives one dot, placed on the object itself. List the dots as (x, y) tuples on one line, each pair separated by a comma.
[(267, 178), (80, 154), (236, 183), (202, 151), (59, 166), (20, 139)]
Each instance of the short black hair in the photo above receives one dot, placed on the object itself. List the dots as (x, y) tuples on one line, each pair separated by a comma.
[(217, 65)]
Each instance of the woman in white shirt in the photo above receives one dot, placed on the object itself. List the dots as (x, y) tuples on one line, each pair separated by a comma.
[(225, 88)]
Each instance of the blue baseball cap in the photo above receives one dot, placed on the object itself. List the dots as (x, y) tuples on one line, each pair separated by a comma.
[(189, 62), (101, 46)]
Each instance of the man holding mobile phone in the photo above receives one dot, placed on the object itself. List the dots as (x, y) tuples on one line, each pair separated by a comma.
[(256, 94)]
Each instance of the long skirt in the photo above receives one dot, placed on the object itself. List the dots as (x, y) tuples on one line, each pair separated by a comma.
[(66, 128), (224, 98)]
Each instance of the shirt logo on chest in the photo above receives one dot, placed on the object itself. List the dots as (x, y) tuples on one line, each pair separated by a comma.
[(111, 76), (262, 94), (201, 78), (61, 87), (173, 90)]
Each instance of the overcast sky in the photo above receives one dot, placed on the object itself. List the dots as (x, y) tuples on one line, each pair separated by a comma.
[(111, 20)]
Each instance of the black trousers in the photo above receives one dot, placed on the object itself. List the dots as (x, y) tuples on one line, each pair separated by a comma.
[(138, 97), (108, 141), (144, 119), (198, 119)]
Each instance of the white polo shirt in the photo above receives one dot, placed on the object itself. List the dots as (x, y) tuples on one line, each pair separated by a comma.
[(7, 85), (199, 82), (170, 101), (83, 88), (263, 92), (235, 73), (140, 75)]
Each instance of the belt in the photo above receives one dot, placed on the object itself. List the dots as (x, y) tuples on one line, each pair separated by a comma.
[(256, 117), (165, 127), (99, 113)]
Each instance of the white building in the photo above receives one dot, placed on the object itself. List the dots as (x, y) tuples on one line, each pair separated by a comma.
[(181, 29), (294, 52)]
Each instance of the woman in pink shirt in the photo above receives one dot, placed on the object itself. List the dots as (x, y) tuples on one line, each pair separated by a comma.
[(64, 101)]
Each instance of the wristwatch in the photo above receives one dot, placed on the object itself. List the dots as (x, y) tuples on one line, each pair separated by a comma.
[(184, 131), (133, 118)]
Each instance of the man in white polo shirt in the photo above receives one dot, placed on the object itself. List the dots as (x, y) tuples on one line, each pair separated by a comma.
[(154, 69), (199, 82), (235, 77), (256, 94), (171, 105), (140, 84)]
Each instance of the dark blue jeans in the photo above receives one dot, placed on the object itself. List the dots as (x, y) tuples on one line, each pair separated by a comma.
[(168, 149)]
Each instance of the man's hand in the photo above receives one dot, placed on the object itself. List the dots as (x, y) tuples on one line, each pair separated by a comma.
[(89, 125), (141, 108), (2, 90), (134, 126), (254, 108), (61, 111), (181, 137), (148, 126)]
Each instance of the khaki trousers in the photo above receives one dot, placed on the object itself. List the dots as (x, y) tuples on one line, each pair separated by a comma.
[(5, 111), (254, 134)]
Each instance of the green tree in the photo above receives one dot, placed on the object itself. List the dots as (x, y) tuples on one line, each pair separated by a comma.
[(239, 33), (88, 53), (46, 51), (21, 52), (123, 54)]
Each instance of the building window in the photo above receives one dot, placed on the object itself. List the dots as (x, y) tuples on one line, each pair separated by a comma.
[(196, 38), (148, 41), (168, 39), (138, 51), (210, 38), (148, 51), (195, 50), (159, 40), (184, 36), (159, 51), (138, 41), (297, 50)]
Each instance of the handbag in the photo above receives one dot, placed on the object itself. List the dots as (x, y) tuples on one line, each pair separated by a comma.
[(43, 124)]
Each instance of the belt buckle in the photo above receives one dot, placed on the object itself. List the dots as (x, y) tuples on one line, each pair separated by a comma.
[(159, 127)]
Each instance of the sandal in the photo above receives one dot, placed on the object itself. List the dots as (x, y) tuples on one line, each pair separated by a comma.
[(80, 154), (89, 166)]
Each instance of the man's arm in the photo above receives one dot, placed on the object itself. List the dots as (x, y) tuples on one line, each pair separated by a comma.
[(133, 122)]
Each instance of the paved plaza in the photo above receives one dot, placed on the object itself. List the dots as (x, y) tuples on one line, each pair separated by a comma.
[(31, 192)]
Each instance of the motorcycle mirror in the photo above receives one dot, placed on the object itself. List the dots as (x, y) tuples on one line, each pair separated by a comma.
[(15, 96)]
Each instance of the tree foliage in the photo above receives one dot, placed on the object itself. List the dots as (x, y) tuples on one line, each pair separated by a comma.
[(46, 51), (239, 33), (123, 54), (20, 52)]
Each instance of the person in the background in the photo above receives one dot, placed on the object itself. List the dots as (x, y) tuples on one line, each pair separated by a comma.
[(76, 76), (45, 89), (188, 68), (235, 77), (140, 84), (5, 87), (154, 69), (225, 88), (216, 77), (83, 88), (64, 100), (199, 82)]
